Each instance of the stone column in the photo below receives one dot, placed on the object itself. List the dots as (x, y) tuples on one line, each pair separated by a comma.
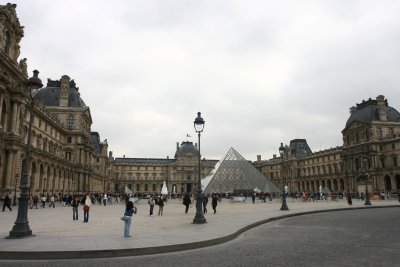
[(14, 117), (10, 169), (1, 108)]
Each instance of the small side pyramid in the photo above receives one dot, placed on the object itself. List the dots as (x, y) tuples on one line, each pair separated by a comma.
[(235, 173)]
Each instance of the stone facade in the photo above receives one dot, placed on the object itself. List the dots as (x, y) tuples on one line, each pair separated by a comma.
[(65, 155), (146, 175), (371, 140)]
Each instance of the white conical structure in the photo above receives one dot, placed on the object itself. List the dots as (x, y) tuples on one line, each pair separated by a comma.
[(164, 190)]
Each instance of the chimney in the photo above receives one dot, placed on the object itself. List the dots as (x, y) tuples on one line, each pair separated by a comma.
[(177, 146), (382, 107), (64, 90), (258, 158), (353, 109), (274, 156)]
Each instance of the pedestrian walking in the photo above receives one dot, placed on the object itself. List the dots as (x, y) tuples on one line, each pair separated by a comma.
[(160, 204), (52, 201), (75, 205), (105, 199), (35, 200), (127, 218), (86, 208), (205, 201), (349, 201), (43, 199), (186, 202), (7, 202), (214, 202), (151, 204), (253, 197)]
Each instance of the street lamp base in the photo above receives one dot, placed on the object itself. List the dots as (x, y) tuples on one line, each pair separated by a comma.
[(20, 231), (199, 219), (367, 202), (284, 207)]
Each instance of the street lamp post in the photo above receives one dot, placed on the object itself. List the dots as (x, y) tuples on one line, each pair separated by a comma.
[(199, 218), (21, 227), (284, 205), (15, 191), (364, 176)]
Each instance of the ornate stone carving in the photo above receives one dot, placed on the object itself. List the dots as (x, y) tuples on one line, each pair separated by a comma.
[(23, 67), (10, 28)]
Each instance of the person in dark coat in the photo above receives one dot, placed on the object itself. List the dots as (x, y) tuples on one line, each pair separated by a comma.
[(127, 218), (35, 202), (75, 206), (214, 202), (349, 201), (253, 197), (205, 201), (186, 202), (7, 203), (160, 204)]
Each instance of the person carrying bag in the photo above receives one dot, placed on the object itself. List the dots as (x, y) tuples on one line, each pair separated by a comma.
[(127, 218)]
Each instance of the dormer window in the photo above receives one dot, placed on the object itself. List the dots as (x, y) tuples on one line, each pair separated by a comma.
[(379, 133), (70, 122)]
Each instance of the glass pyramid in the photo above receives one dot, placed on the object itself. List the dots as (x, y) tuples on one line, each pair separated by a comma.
[(235, 174)]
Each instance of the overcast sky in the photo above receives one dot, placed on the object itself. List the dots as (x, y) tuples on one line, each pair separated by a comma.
[(261, 72)]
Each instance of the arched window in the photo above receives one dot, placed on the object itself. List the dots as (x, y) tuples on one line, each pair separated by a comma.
[(70, 122)]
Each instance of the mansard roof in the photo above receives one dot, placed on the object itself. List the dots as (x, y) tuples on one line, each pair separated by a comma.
[(367, 111), (96, 144), (185, 148), (300, 148), (50, 95)]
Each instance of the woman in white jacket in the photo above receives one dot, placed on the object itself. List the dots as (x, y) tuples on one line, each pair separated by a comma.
[(86, 208)]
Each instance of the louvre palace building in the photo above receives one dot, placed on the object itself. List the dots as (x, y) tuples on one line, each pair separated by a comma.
[(66, 156), (371, 141)]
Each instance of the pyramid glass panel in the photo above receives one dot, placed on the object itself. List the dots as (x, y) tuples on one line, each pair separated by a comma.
[(235, 174)]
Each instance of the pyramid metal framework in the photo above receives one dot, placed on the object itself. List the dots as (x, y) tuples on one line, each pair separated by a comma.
[(236, 173)]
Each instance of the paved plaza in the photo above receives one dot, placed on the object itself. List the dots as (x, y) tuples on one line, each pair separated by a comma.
[(56, 232)]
